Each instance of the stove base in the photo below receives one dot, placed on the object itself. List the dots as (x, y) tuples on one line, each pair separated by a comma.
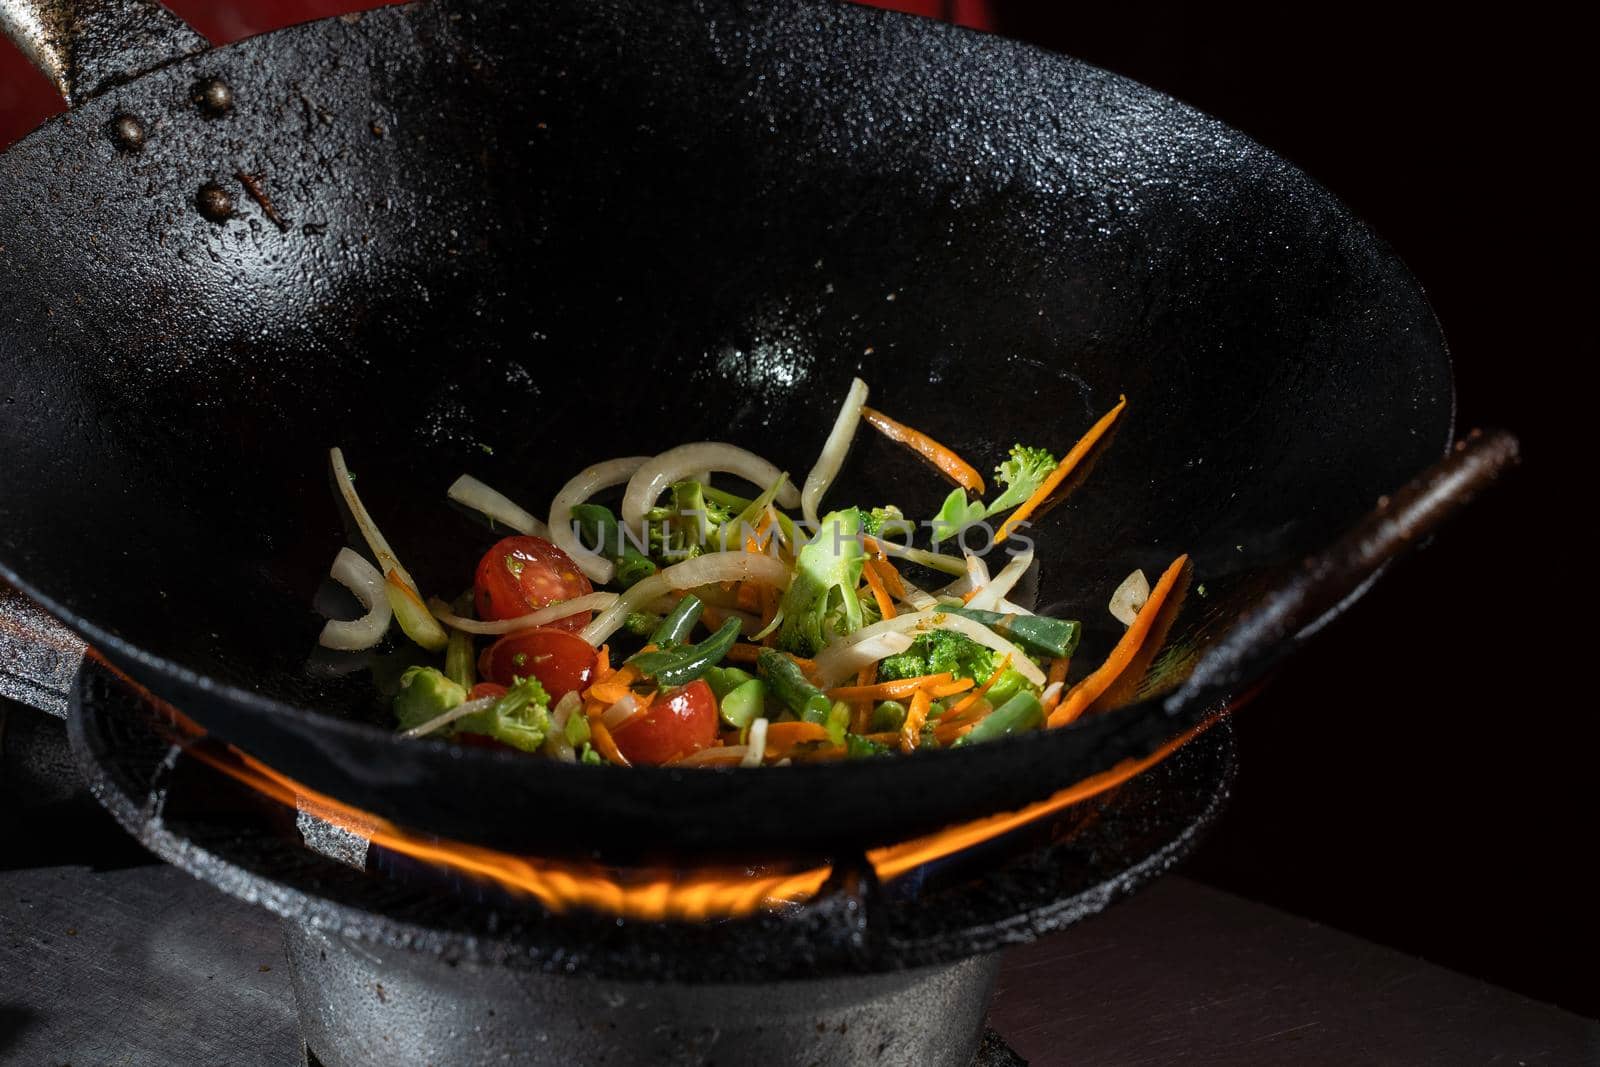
[(368, 1005)]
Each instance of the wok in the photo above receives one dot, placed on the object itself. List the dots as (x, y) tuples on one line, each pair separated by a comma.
[(516, 239)]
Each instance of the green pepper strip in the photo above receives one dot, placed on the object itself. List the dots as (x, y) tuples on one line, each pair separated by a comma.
[(597, 526), (680, 666), (679, 623), (1038, 635), (790, 686)]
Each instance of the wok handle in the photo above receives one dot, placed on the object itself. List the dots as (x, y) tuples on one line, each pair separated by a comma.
[(87, 46), (39, 657), (1398, 523)]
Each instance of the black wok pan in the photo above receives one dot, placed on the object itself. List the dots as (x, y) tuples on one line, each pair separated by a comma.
[(514, 239)]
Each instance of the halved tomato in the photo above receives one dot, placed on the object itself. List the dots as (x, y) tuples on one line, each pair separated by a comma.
[(680, 722), (522, 574), (562, 662)]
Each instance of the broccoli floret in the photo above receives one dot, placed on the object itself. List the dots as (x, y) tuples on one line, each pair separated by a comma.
[(425, 693), (520, 719), (889, 521), (821, 600), (955, 515), (938, 652), (1023, 473)]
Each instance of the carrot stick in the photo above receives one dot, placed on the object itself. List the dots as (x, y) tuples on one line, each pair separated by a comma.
[(879, 592), (898, 689), (862, 717), (916, 715), (785, 737), (888, 576), (949, 689), (604, 744), (1058, 670), (1087, 691), (950, 465), (1059, 475), (977, 694)]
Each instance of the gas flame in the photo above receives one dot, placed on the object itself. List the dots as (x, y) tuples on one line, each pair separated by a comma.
[(651, 894)]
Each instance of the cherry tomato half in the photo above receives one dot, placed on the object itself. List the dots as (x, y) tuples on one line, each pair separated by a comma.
[(523, 574), (486, 689), (679, 722), (561, 661)]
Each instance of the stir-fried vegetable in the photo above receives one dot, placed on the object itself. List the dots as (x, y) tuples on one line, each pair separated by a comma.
[(599, 529), (821, 600), (791, 687), (682, 664), (678, 621)]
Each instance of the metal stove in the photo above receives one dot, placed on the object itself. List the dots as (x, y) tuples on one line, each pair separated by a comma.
[(395, 960)]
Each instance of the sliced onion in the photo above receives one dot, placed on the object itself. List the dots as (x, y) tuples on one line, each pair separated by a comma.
[(932, 560), (833, 669), (676, 464), (702, 570), (546, 615), (469, 492), (620, 712), (419, 626), (1130, 597), (351, 570), (757, 744), (919, 599), (843, 657), (460, 711), (715, 756), (589, 481), (1051, 692), (570, 702), (826, 469), (993, 592)]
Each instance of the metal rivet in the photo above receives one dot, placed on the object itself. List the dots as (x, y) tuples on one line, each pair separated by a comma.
[(212, 96), (128, 133), (214, 202)]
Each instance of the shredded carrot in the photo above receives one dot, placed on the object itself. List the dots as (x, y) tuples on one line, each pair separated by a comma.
[(977, 694), (1059, 475), (614, 686), (888, 576), (605, 745), (1085, 692), (916, 715), (898, 689), (862, 717), (879, 592), (884, 737), (1058, 670), (785, 737), (951, 465), (749, 597), (945, 732), (949, 689), (641, 704), (602, 662)]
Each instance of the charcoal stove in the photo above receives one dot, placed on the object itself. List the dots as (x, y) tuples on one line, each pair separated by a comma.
[(394, 959)]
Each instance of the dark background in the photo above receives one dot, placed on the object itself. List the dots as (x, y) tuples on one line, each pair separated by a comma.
[(1423, 774)]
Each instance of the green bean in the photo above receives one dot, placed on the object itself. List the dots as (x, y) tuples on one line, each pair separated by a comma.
[(1021, 712), (791, 687)]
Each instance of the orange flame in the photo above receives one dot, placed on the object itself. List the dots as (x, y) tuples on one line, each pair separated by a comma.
[(651, 894)]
